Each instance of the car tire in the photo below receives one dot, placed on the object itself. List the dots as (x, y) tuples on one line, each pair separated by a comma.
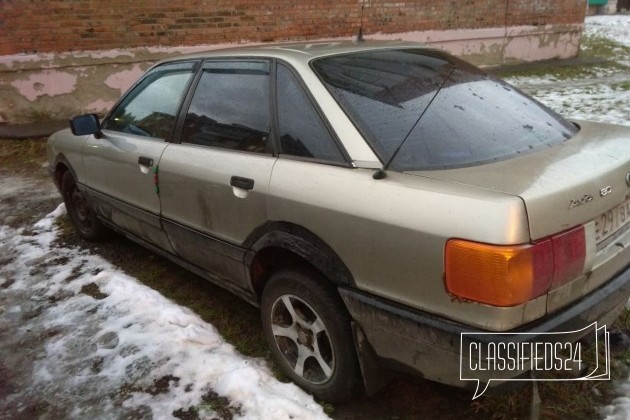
[(81, 213), (308, 330)]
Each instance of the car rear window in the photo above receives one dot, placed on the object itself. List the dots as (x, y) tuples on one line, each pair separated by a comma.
[(423, 109)]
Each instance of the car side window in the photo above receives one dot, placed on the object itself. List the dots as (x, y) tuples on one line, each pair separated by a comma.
[(301, 129), (231, 107), (150, 109)]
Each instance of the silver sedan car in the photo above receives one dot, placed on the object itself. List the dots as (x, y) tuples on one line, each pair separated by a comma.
[(375, 200)]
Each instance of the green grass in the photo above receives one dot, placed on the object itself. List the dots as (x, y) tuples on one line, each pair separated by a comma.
[(594, 46), (622, 86), (560, 71), (597, 54)]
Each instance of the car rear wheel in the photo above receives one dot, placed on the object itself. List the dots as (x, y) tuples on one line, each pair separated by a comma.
[(79, 209), (309, 332)]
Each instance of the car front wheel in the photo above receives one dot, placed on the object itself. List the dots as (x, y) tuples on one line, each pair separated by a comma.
[(309, 332), (79, 209)]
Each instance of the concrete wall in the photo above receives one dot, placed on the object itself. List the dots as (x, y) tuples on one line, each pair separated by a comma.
[(64, 57)]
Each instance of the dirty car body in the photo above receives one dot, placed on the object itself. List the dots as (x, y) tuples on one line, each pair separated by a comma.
[(374, 199)]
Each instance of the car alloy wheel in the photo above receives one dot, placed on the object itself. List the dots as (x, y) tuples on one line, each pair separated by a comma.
[(302, 338), (309, 332)]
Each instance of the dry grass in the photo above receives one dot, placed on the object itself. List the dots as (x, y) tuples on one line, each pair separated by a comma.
[(22, 155)]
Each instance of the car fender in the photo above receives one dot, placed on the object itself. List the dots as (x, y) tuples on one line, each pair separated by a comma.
[(302, 243), (61, 159)]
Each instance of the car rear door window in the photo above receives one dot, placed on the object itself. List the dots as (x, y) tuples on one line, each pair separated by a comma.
[(151, 107), (230, 108), (301, 129)]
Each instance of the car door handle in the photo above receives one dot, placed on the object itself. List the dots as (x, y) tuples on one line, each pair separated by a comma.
[(242, 183), (145, 161)]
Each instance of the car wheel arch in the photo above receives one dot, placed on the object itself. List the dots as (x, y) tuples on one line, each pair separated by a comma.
[(61, 166), (278, 245)]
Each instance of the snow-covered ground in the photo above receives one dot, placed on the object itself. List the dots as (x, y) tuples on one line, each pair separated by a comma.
[(603, 93), (616, 27), (122, 350)]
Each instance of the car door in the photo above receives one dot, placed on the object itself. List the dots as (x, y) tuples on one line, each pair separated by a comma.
[(121, 165), (214, 182)]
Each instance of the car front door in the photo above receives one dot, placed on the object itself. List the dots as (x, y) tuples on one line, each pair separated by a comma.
[(214, 183), (121, 165)]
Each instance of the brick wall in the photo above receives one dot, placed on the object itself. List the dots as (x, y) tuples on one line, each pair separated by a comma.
[(65, 57), (28, 26)]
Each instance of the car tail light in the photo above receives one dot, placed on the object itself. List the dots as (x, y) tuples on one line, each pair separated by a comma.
[(569, 254), (510, 275)]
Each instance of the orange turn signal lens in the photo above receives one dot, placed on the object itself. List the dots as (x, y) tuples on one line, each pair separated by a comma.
[(498, 275), (510, 275)]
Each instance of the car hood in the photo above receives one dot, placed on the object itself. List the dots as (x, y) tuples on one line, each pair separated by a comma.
[(563, 186)]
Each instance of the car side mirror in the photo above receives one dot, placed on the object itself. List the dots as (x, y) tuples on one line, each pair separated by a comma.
[(86, 124)]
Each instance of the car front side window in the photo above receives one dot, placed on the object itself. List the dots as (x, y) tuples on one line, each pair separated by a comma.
[(150, 109), (230, 108)]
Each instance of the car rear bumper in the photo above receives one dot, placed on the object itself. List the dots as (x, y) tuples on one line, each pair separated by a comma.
[(430, 346)]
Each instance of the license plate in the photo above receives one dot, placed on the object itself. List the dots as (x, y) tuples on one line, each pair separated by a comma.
[(612, 221)]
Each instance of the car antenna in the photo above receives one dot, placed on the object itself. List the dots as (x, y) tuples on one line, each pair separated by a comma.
[(380, 173), (360, 35)]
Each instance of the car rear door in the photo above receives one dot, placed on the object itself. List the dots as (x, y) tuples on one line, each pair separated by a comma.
[(214, 183), (121, 166)]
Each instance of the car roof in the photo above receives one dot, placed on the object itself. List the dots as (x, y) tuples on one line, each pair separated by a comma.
[(300, 52)]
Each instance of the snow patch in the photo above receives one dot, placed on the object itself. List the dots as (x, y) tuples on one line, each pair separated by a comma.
[(614, 27), (604, 96), (109, 350)]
